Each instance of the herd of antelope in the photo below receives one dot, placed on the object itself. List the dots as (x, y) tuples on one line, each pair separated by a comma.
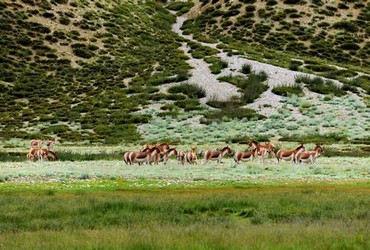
[(36, 151), (150, 154)]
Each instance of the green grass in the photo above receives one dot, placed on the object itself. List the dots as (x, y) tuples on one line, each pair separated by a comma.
[(236, 216), (217, 65)]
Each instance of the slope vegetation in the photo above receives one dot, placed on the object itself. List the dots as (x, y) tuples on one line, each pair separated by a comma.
[(337, 31), (79, 68)]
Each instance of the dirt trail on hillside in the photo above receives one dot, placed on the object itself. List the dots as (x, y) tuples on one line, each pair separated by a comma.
[(202, 76)]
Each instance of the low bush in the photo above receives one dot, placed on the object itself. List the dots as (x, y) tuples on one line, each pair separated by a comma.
[(319, 85), (330, 138), (192, 91), (246, 69), (346, 25), (230, 110), (188, 104), (286, 90)]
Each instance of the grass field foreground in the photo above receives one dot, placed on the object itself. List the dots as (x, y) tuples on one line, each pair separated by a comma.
[(295, 216)]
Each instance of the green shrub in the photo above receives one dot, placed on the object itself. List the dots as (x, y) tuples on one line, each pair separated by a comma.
[(330, 138), (321, 86), (192, 91), (217, 65), (362, 82), (188, 104), (179, 5), (82, 50), (64, 20), (346, 25), (252, 86), (229, 109), (246, 69), (286, 90)]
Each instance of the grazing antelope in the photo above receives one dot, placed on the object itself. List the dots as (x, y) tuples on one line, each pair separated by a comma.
[(164, 157), (37, 143), (309, 156), (245, 156), (289, 155), (41, 154), (216, 155)]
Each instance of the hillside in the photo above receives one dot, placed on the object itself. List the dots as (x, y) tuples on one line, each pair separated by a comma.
[(79, 68), (112, 72), (335, 31)]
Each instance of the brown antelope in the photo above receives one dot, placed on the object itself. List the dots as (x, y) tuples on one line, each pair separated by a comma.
[(155, 153), (191, 156), (41, 154), (245, 156), (262, 151), (140, 157), (37, 143), (164, 157), (51, 143), (309, 156), (163, 147), (216, 155), (289, 155), (126, 157), (181, 157), (147, 147)]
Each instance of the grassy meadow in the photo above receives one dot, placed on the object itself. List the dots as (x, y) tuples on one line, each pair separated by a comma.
[(223, 216), (91, 199)]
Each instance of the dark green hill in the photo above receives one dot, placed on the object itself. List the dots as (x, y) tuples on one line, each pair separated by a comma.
[(335, 32), (79, 68)]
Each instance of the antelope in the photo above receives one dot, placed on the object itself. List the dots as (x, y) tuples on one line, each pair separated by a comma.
[(167, 154), (181, 157), (245, 156), (289, 155), (126, 157), (51, 143), (41, 154), (262, 151), (191, 156), (140, 157), (163, 147), (216, 155), (309, 156), (37, 143)]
